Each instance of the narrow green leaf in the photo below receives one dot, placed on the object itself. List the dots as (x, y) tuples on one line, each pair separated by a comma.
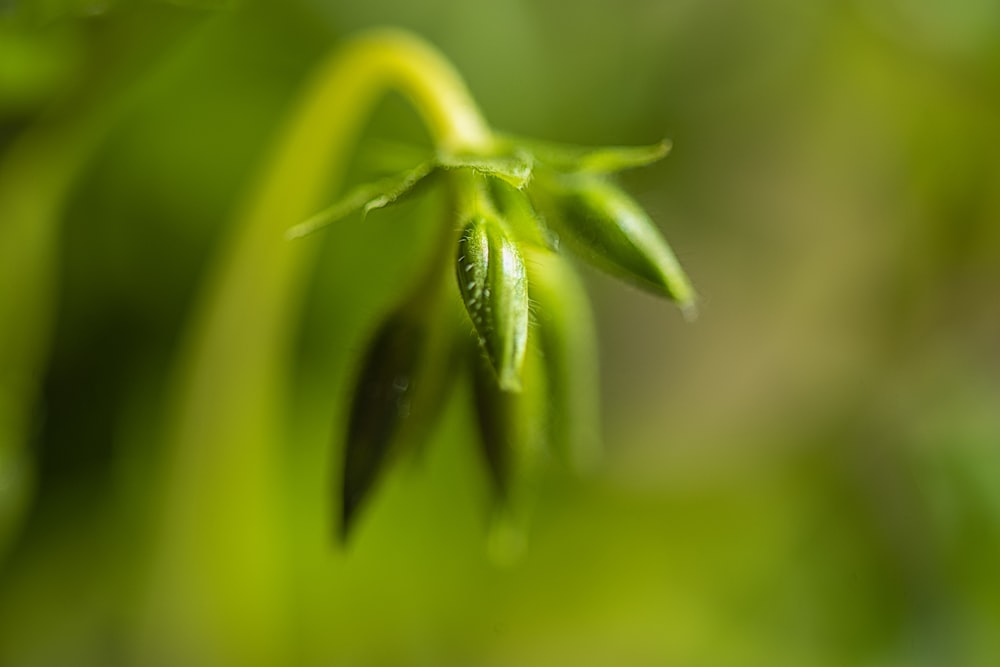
[(607, 228), (491, 281), (515, 169), (400, 188), (365, 198), (597, 160), (619, 158)]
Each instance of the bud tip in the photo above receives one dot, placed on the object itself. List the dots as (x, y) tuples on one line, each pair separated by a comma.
[(510, 380), (689, 309)]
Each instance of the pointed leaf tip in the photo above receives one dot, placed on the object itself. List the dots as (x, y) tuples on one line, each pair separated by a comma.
[(365, 198), (570, 158), (619, 158)]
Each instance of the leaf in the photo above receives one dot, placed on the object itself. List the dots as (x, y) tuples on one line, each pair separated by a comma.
[(600, 160), (619, 158), (513, 169), (607, 228), (491, 281), (366, 198), (516, 169), (400, 188)]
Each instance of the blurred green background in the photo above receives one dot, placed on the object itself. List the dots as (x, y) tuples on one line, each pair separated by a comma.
[(807, 475)]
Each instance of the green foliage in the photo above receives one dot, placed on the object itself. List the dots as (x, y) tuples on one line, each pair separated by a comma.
[(493, 198), (494, 188), (808, 476)]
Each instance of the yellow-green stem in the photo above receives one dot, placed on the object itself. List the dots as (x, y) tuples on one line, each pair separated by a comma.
[(217, 596)]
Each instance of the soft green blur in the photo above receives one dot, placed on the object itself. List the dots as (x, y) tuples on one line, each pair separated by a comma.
[(807, 475)]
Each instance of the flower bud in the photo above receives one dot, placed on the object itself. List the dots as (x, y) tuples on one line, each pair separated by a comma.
[(512, 436), (609, 229), (397, 397), (492, 283), (567, 341)]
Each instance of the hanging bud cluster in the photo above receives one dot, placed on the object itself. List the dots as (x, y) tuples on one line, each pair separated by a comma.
[(532, 349)]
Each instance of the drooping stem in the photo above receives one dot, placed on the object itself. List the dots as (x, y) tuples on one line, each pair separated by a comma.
[(225, 421)]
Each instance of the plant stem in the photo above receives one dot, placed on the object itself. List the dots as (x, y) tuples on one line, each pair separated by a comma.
[(221, 505)]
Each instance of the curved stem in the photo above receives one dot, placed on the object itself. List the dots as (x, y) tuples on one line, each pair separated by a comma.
[(387, 58), (216, 581)]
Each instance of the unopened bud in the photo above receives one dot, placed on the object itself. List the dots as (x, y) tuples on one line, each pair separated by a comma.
[(397, 397), (567, 341), (492, 283), (609, 229), (512, 435)]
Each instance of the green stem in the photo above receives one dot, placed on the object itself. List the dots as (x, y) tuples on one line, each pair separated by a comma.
[(216, 581)]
